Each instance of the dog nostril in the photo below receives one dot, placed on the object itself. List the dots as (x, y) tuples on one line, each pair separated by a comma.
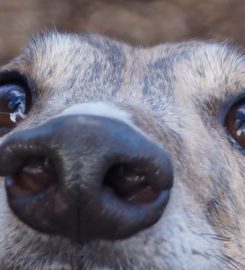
[(36, 175), (109, 174), (130, 183)]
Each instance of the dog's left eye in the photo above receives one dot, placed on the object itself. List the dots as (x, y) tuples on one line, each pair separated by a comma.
[(12, 106), (235, 122)]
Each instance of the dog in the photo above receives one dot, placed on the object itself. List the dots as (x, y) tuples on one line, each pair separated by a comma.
[(117, 157)]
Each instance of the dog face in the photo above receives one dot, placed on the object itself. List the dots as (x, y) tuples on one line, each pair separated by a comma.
[(114, 157)]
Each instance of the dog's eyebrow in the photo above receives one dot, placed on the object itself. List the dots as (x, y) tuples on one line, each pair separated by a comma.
[(217, 107)]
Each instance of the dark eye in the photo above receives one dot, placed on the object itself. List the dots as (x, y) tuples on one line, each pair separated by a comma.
[(235, 122), (13, 102)]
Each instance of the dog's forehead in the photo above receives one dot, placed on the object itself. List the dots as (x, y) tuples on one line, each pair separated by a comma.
[(69, 63), (57, 61)]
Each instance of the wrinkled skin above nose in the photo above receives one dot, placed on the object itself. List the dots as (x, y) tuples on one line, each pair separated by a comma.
[(86, 177)]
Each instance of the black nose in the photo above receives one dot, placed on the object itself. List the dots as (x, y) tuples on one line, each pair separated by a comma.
[(86, 177)]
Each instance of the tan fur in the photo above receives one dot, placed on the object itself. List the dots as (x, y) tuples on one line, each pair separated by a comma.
[(174, 93)]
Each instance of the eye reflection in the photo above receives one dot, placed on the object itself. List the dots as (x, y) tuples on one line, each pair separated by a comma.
[(235, 122), (12, 106)]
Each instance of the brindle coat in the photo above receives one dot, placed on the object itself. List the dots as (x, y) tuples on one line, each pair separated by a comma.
[(177, 94)]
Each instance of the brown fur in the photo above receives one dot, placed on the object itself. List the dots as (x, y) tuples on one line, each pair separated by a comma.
[(174, 93)]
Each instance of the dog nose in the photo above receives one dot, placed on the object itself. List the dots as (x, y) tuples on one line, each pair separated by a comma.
[(86, 177)]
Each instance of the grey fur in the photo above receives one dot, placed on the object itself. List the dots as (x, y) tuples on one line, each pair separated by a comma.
[(174, 93)]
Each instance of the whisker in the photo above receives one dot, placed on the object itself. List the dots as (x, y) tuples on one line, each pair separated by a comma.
[(231, 262), (216, 236)]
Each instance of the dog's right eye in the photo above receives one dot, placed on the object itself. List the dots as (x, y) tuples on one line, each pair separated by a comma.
[(12, 106), (235, 122)]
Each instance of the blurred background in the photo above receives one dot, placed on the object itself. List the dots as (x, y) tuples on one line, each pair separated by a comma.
[(139, 22)]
